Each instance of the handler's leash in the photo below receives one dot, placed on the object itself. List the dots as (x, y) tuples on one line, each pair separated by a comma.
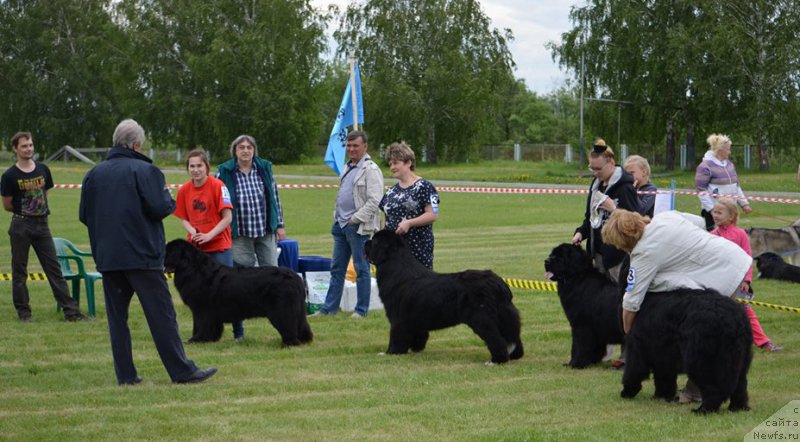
[(778, 218)]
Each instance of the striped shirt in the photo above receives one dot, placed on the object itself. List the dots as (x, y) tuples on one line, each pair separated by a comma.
[(251, 205)]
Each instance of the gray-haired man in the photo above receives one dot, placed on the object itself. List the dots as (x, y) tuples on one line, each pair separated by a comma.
[(257, 213), (123, 202)]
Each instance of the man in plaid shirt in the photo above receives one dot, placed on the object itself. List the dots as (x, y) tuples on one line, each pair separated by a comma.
[(257, 222)]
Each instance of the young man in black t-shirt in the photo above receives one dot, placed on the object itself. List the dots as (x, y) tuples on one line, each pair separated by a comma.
[(24, 189)]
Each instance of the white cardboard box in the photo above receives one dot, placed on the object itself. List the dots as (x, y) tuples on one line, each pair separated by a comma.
[(349, 297), (317, 284)]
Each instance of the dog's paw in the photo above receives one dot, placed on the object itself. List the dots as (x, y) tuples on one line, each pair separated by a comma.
[(383, 353), (489, 363), (576, 365)]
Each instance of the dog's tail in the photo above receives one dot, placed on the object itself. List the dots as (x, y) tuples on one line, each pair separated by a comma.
[(509, 321), (304, 334)]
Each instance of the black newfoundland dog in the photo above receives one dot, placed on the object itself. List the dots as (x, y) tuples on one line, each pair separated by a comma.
[(418, 300), (590, 301), (697, 332), (217, 294), (772, 266)]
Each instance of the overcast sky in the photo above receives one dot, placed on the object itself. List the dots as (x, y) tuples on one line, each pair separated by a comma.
[(534, 23)]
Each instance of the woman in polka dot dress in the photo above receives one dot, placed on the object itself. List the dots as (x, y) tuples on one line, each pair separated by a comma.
[(412, 205)]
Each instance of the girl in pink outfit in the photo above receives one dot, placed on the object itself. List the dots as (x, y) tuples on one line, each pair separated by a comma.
[(726, 214)]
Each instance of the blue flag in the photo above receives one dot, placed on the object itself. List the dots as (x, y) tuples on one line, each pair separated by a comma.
[(335, 156)]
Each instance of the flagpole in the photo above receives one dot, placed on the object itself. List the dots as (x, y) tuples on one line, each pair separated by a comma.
[(352, 61)]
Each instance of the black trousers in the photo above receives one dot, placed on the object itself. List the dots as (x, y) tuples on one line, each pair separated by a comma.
[(24, 233), (153, 292), (708, 218)]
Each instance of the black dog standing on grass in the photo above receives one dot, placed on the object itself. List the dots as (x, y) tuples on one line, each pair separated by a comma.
[(591, 302), (217, 294), (418, 300), (697, 332)]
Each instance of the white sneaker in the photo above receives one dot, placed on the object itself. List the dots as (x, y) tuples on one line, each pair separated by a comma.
[(609, 352), (316, 313), (356, 316)]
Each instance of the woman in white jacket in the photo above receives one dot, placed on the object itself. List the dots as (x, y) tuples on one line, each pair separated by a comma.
[(671, 252)]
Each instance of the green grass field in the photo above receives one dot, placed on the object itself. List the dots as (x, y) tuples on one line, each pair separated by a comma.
[(57, 380)]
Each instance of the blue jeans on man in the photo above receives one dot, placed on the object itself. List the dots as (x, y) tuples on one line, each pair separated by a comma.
[(346, 243)]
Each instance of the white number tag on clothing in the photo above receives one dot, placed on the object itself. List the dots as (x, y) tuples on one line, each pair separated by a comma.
[(631, 279), (435, 204)]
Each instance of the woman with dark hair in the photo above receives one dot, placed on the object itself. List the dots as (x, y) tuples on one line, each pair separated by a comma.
[(412, 205), (611, 188)]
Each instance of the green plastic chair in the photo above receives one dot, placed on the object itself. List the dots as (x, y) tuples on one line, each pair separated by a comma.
[(67, 253)]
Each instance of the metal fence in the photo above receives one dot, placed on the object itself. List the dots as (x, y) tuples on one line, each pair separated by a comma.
[(528, 152), (743, 156)]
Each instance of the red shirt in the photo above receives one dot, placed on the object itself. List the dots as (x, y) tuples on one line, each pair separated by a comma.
[(202, 207)]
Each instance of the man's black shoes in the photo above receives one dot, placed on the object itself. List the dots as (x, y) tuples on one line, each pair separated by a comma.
[(198, 376), (76, 318), (137, 380)]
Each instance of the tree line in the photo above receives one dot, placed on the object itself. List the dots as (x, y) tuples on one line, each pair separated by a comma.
[(435, 73), (691, 68)]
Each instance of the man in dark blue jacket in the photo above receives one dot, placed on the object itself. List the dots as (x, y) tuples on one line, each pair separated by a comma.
[(123, 202)]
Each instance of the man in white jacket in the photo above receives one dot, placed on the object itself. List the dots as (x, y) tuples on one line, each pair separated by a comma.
[(356, 218), (672, 252)]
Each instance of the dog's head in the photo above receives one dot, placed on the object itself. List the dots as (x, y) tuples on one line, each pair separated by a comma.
[(566, 261), (383, 246), (179, 255), (766, 259)]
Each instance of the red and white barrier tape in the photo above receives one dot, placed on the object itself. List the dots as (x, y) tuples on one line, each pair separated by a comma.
[(177, 186), (513, 190)]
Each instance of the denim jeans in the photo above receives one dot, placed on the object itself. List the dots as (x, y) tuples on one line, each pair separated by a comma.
[(247, 250), (24, 233), (346, 243), (225, 258)]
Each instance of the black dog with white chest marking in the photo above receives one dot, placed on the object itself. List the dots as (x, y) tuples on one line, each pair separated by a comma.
[(418, 300), (217, 294), (591, 302)]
